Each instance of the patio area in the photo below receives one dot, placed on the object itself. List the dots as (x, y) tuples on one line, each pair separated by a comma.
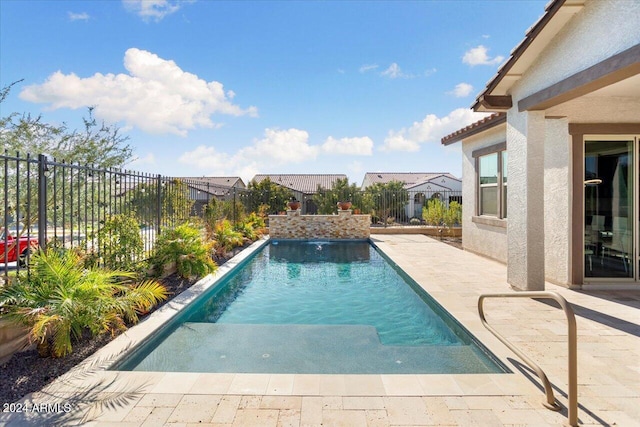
[(608, 368)]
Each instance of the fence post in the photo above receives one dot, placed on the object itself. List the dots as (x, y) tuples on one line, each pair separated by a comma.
[(158, 203), (235, 214), (42, 201)]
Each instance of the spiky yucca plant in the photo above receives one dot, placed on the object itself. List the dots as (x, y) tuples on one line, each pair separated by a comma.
[(60, 299)]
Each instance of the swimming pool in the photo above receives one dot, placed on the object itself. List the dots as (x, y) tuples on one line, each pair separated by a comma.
[(314, 307)]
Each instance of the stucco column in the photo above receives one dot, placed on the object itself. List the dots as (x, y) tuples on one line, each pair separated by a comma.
[(525, 200)]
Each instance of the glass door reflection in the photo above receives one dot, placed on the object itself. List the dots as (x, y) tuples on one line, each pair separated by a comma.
[(609, 209)]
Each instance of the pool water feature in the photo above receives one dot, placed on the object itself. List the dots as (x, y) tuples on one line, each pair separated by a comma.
[(314, 307)]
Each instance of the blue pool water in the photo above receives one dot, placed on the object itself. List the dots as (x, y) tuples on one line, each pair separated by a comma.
[(314, 307)]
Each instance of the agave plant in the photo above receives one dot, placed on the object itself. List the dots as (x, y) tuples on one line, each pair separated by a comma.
[(60, 299)]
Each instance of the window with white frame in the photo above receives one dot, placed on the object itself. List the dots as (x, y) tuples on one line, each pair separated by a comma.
[(491, 171)]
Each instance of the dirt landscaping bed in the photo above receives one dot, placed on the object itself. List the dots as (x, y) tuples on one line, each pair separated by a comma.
[(26, 372)]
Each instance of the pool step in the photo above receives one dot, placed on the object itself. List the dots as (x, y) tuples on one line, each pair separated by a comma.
[(313, 349)]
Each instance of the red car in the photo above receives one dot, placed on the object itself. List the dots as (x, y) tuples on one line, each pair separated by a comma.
[(18, 251)]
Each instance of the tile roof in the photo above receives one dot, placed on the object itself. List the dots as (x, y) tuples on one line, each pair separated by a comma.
[(474, 128), (304, 183), (408, 178), (222, 181)]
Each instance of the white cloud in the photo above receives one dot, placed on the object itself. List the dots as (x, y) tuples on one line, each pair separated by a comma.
[(280, 147), (461, 90), (397, 141), (154, 9), (156, 96), (368, 67), (276, 148), (431, 128), (479, 56), (84, 16), (394, 72), (206, 158), (359, 146)]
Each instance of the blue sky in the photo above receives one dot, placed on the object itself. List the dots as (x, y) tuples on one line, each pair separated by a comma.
[(238, 88)]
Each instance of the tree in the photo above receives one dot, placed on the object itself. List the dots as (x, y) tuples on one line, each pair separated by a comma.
[(434, 212), (175, 203), (453, 215), (98, 144), (268, 193), (327, 199), (386, 199)]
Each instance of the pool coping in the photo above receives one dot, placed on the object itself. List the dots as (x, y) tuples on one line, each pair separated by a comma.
[(92, 375)]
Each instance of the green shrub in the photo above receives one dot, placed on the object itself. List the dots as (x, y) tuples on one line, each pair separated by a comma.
[(121, 245), (225, 238), (246, 230), (433, 214), (59, 299), (185, 247), (255, 220), (453, 215)]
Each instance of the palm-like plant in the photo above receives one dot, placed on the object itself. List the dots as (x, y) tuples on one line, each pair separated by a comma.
[(226, 238), (59, 300), (185, 247), (246, 230)]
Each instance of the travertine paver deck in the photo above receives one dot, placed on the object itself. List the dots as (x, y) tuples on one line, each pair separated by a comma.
[(608, 353)]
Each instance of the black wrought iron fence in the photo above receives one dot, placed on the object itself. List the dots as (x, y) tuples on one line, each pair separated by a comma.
[(386, 207), (46, 202)]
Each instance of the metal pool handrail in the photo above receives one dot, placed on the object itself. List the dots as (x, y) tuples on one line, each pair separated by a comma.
[(572, 395)]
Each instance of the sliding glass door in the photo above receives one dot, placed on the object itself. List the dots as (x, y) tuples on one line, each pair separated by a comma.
[(610, 208)]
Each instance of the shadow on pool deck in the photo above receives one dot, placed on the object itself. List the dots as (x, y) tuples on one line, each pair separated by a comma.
[(596, 316)]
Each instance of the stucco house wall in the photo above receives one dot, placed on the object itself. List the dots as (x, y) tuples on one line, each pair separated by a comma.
[(564, 57), (557, 201), (600, 30), (484, 236), (575, 74)]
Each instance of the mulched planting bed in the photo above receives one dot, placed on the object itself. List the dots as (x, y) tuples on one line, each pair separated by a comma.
[(27, 372)]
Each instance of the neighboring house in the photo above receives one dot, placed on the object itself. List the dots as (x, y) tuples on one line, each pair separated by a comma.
[(303, 186), (204, 188), (420, 186), (567, 136)]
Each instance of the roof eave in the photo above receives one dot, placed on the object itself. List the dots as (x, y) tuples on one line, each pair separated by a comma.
[(557, 14), (475, 128)]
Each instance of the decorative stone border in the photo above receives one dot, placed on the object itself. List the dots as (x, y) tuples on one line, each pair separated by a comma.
[(344, 225)]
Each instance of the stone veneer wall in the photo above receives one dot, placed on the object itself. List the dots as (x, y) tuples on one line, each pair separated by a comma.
[(341, 226)]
